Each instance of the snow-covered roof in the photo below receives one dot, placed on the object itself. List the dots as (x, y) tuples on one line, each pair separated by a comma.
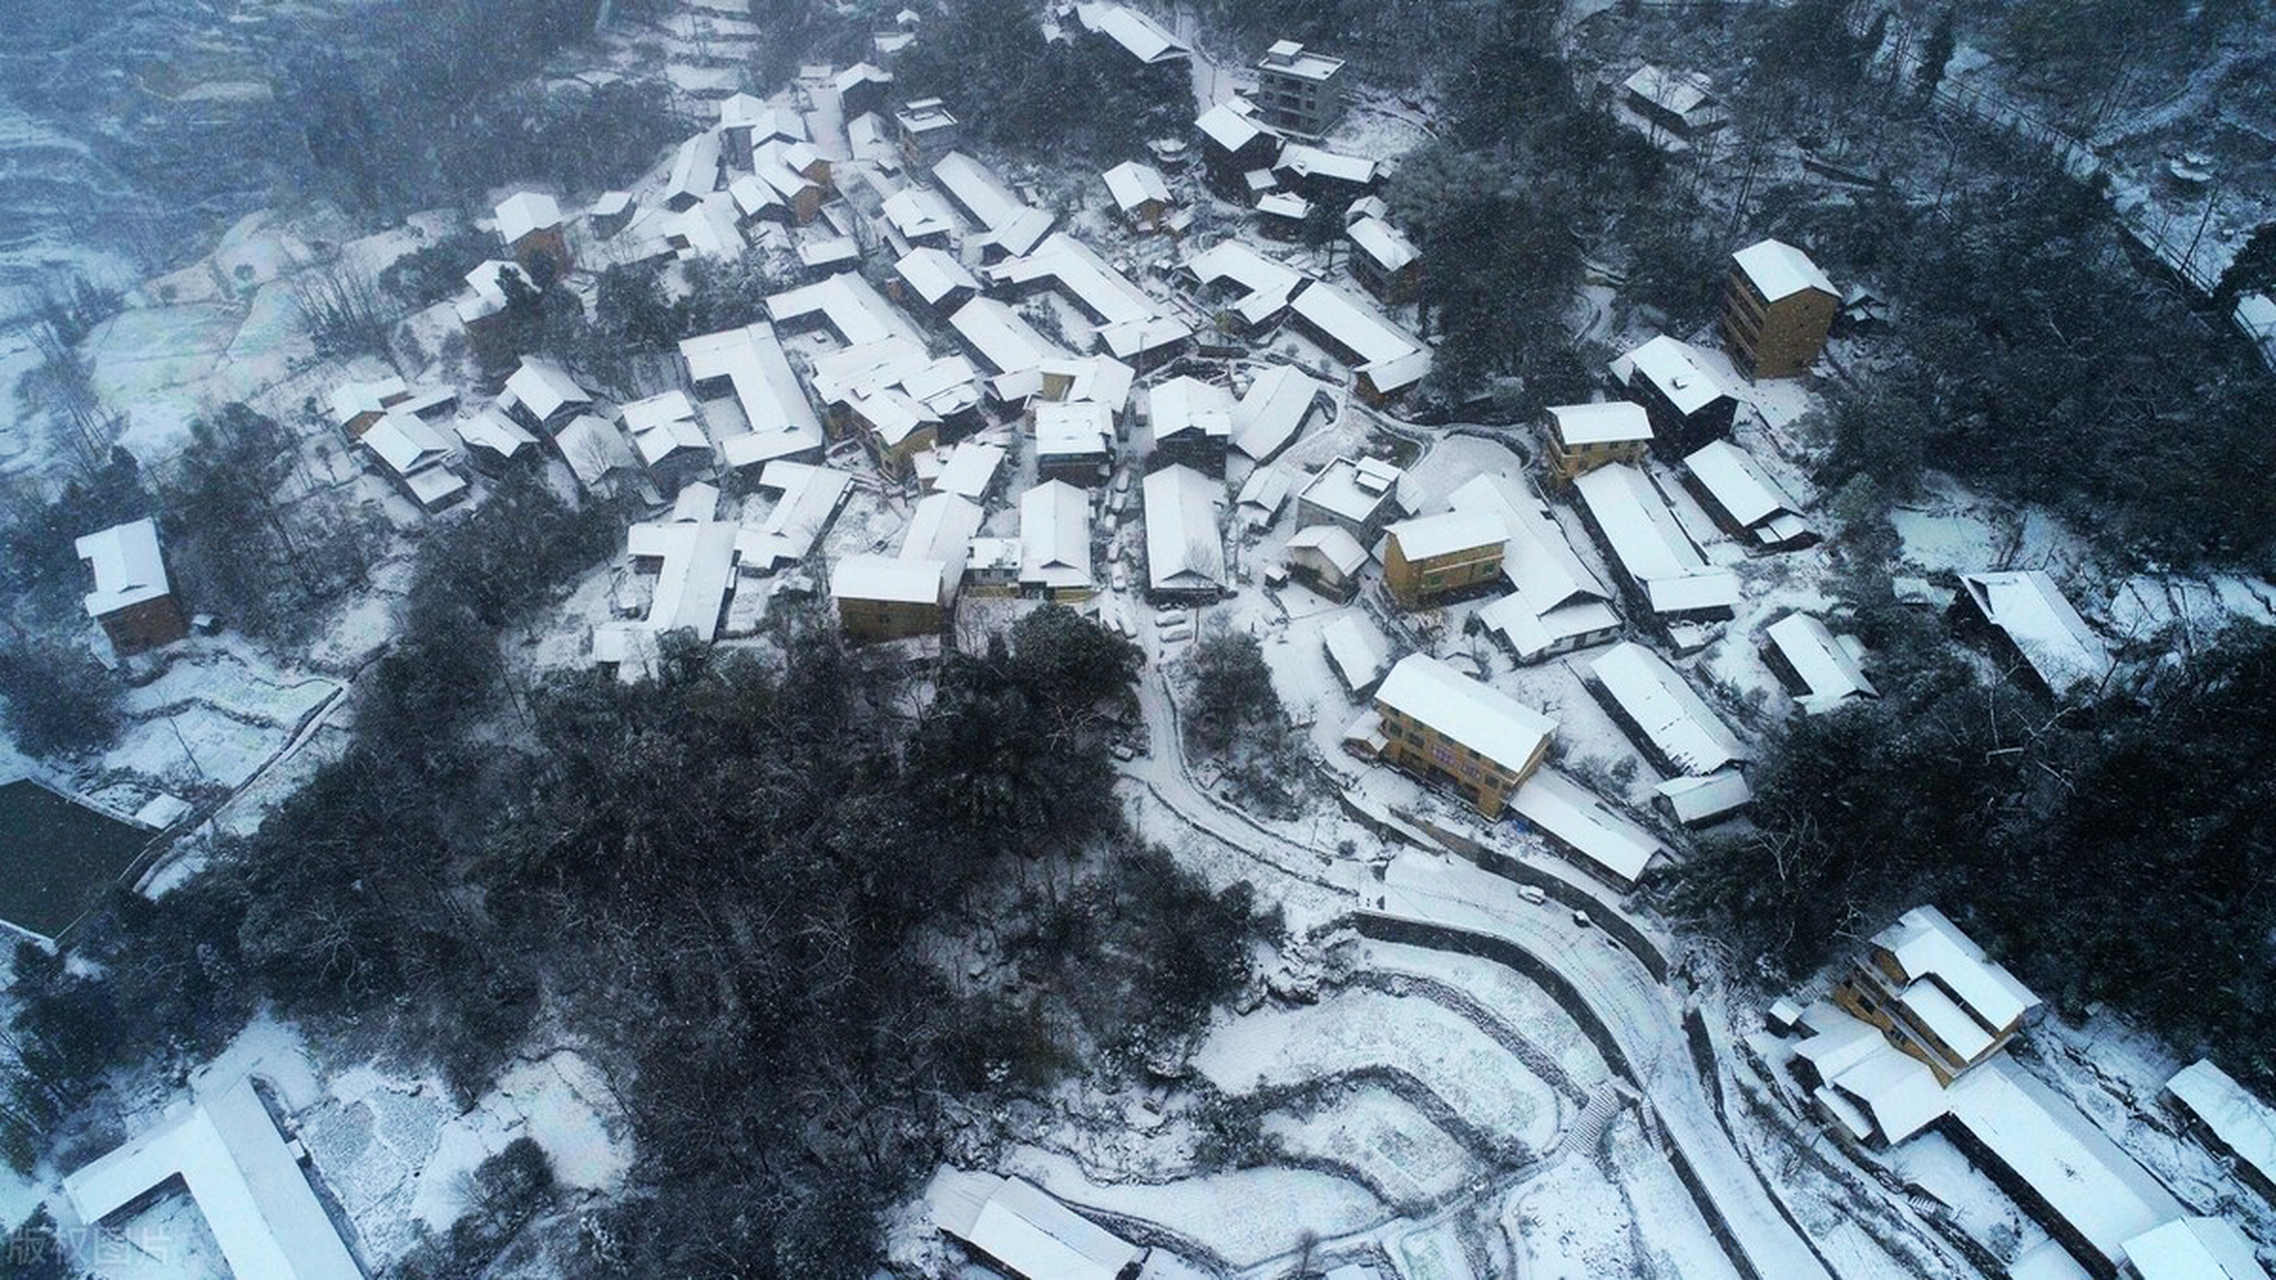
[(1357, 649), (2243, 1123), (1645, 537), (1385, 245), (1055, 537), (1738, 484), (1445, 534), (1467, 710), (1825, 663), (524, 212), (1266, 490), (594, 447), (1357, 491), (1333, 544), (1700, 799), (710, 228), (1680, 724), (698, 571), (1145, 39), (545, 388), (1284, 204), (970, 469), (695, 169), (1002, 337), (940, 532), (352, 400), (695, 503), (1533, 633), (1536, 558), (2042, 1139), (1133, 185), (1268, 284), (811, 495), (1184, 549), (486, 287), (750, 359), (1681, 93), (245, 1179), (1130, 320), (1274, 410), (1290, 57), (491, 430), (1306, 161), (933, 274), (1896, 1089), (1390, 358), (1778, 269), (664, 427), (849, 304), (1927, 946), (2053, 638), (405, 445), (831, 251), (765, 121), (1073, 429), (1026, 1230), (2194, 1249), (1671, 365), (1011, 222), (1230, 126), (127, 566), (1186, 404), (1584, 823), (918, 212), (889, 579), (1610, 422)]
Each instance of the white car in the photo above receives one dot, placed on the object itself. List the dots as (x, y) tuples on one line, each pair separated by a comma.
[(1121, 578), (1532, 893)]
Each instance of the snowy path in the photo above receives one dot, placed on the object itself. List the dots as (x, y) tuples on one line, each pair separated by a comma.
[(1645, 1022)]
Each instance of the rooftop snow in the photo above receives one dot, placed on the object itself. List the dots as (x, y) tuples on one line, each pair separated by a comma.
[(750, 359), (985, 198), (917, 212), (887, 578), (1334, 544), (1055, 537), (1274, 410), (1002, 338), (2194, 1249), (1738, 484), (1385, 245), (1358, 650), (934, 274), (1537, 559), (1392, 359), (2242, 1122), (1686, 731), (1268, 284), (127, 565), (970, 469), (810, 497), (1133, 185), (1026, 1230), (544, 388), (1778, 269), (1611, 422), (1143, 38), (1582, 822), (698, 570), (2048, 631), (1428, 537), (524, 212), (852, 307), (1185, 404), (1467, 710), (1826, 665), (1184, 549), (1650, 545), (1695, 800), (1232, 128), (1671, 365)]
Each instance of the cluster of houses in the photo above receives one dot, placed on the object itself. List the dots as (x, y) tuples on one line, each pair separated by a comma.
[(1911, 1039)]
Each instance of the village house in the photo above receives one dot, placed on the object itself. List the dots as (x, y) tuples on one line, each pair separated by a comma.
[(1459, 732), (1275, 409), (611, 213), (1582, 437), (1933, 994), (1387, 360), (940, 532), (1234, 144), (1433, 559), (1700, 801), (863, 88), (531, 225), (598, 456), (542, 397), (1326, 558), (1750, 506), (1326, 177), (1688, 405), (415, 458), (811, 498), (1874, 1093), (1003, 341), (1185, 549), (1055, 542), (1360, 497), (747, 123), (1011, 1224), (1145, 40), (2036, 630), (847, 306), (828, 256), (1674, 108), (668, 438), (1777, 309), (2229, 1120), (1192, 422), (1604, 842), (2194, 1248), (1074, 441), (1133, 326), (932, 282), (1822, 670), (1247, 291), (1299, 91), (133, 598), (246, 1179), (920, 218), (927, 130), (1011, 227), (883, 598), (992, 569), (1670, 724), (970, 470), (1281, 215), (356, 405), (1555, 605), (1384, 260), (482, 314), (750, 398), (1140, 195), (695, 566), (1358, 651), (1261, 497), (695, 173), (1663, 570), (494, 443)]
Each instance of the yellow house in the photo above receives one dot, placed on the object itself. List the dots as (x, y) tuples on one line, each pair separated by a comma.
[(1934, 995), (1576, 438), (1429, 559), (1777, 309), (1451, 729), (889, 598)]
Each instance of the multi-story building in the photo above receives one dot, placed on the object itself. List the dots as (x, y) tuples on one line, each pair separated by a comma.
[(1934, 995), (1777, 310), (1688, 404), (1582, 437), (133, 598), (1297, 90), (1458, 731), (928, 131), (890, 598), (1432, 559)]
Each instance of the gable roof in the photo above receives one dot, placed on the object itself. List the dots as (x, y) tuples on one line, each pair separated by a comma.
[(1825, 664), (1274, 409), (889, 579), (977, 189), (1664, 708), (1778, 270), (1231, 128), (1139, 35), (1650, 545), (127, 566), (2243, 1123), (1055, 536), (1002, 338), (2198, 1248), (1133, 184), (1928, 946), (1385, 245), (1357, 649), (2033, 612), (1184, 549), (934, 274), (1608, 422), (1026, 1230), (1671, 365), (1428, 537), (1187, 404), (544, 388), (524, 212), (1584, 823), (1468, 710), (1738, 484)]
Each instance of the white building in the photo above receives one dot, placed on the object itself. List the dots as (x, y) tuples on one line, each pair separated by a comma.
[(1185, 551), (1744, 499), (1673, 724), (2046, 632), (1055, 541), (1640, 534)]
